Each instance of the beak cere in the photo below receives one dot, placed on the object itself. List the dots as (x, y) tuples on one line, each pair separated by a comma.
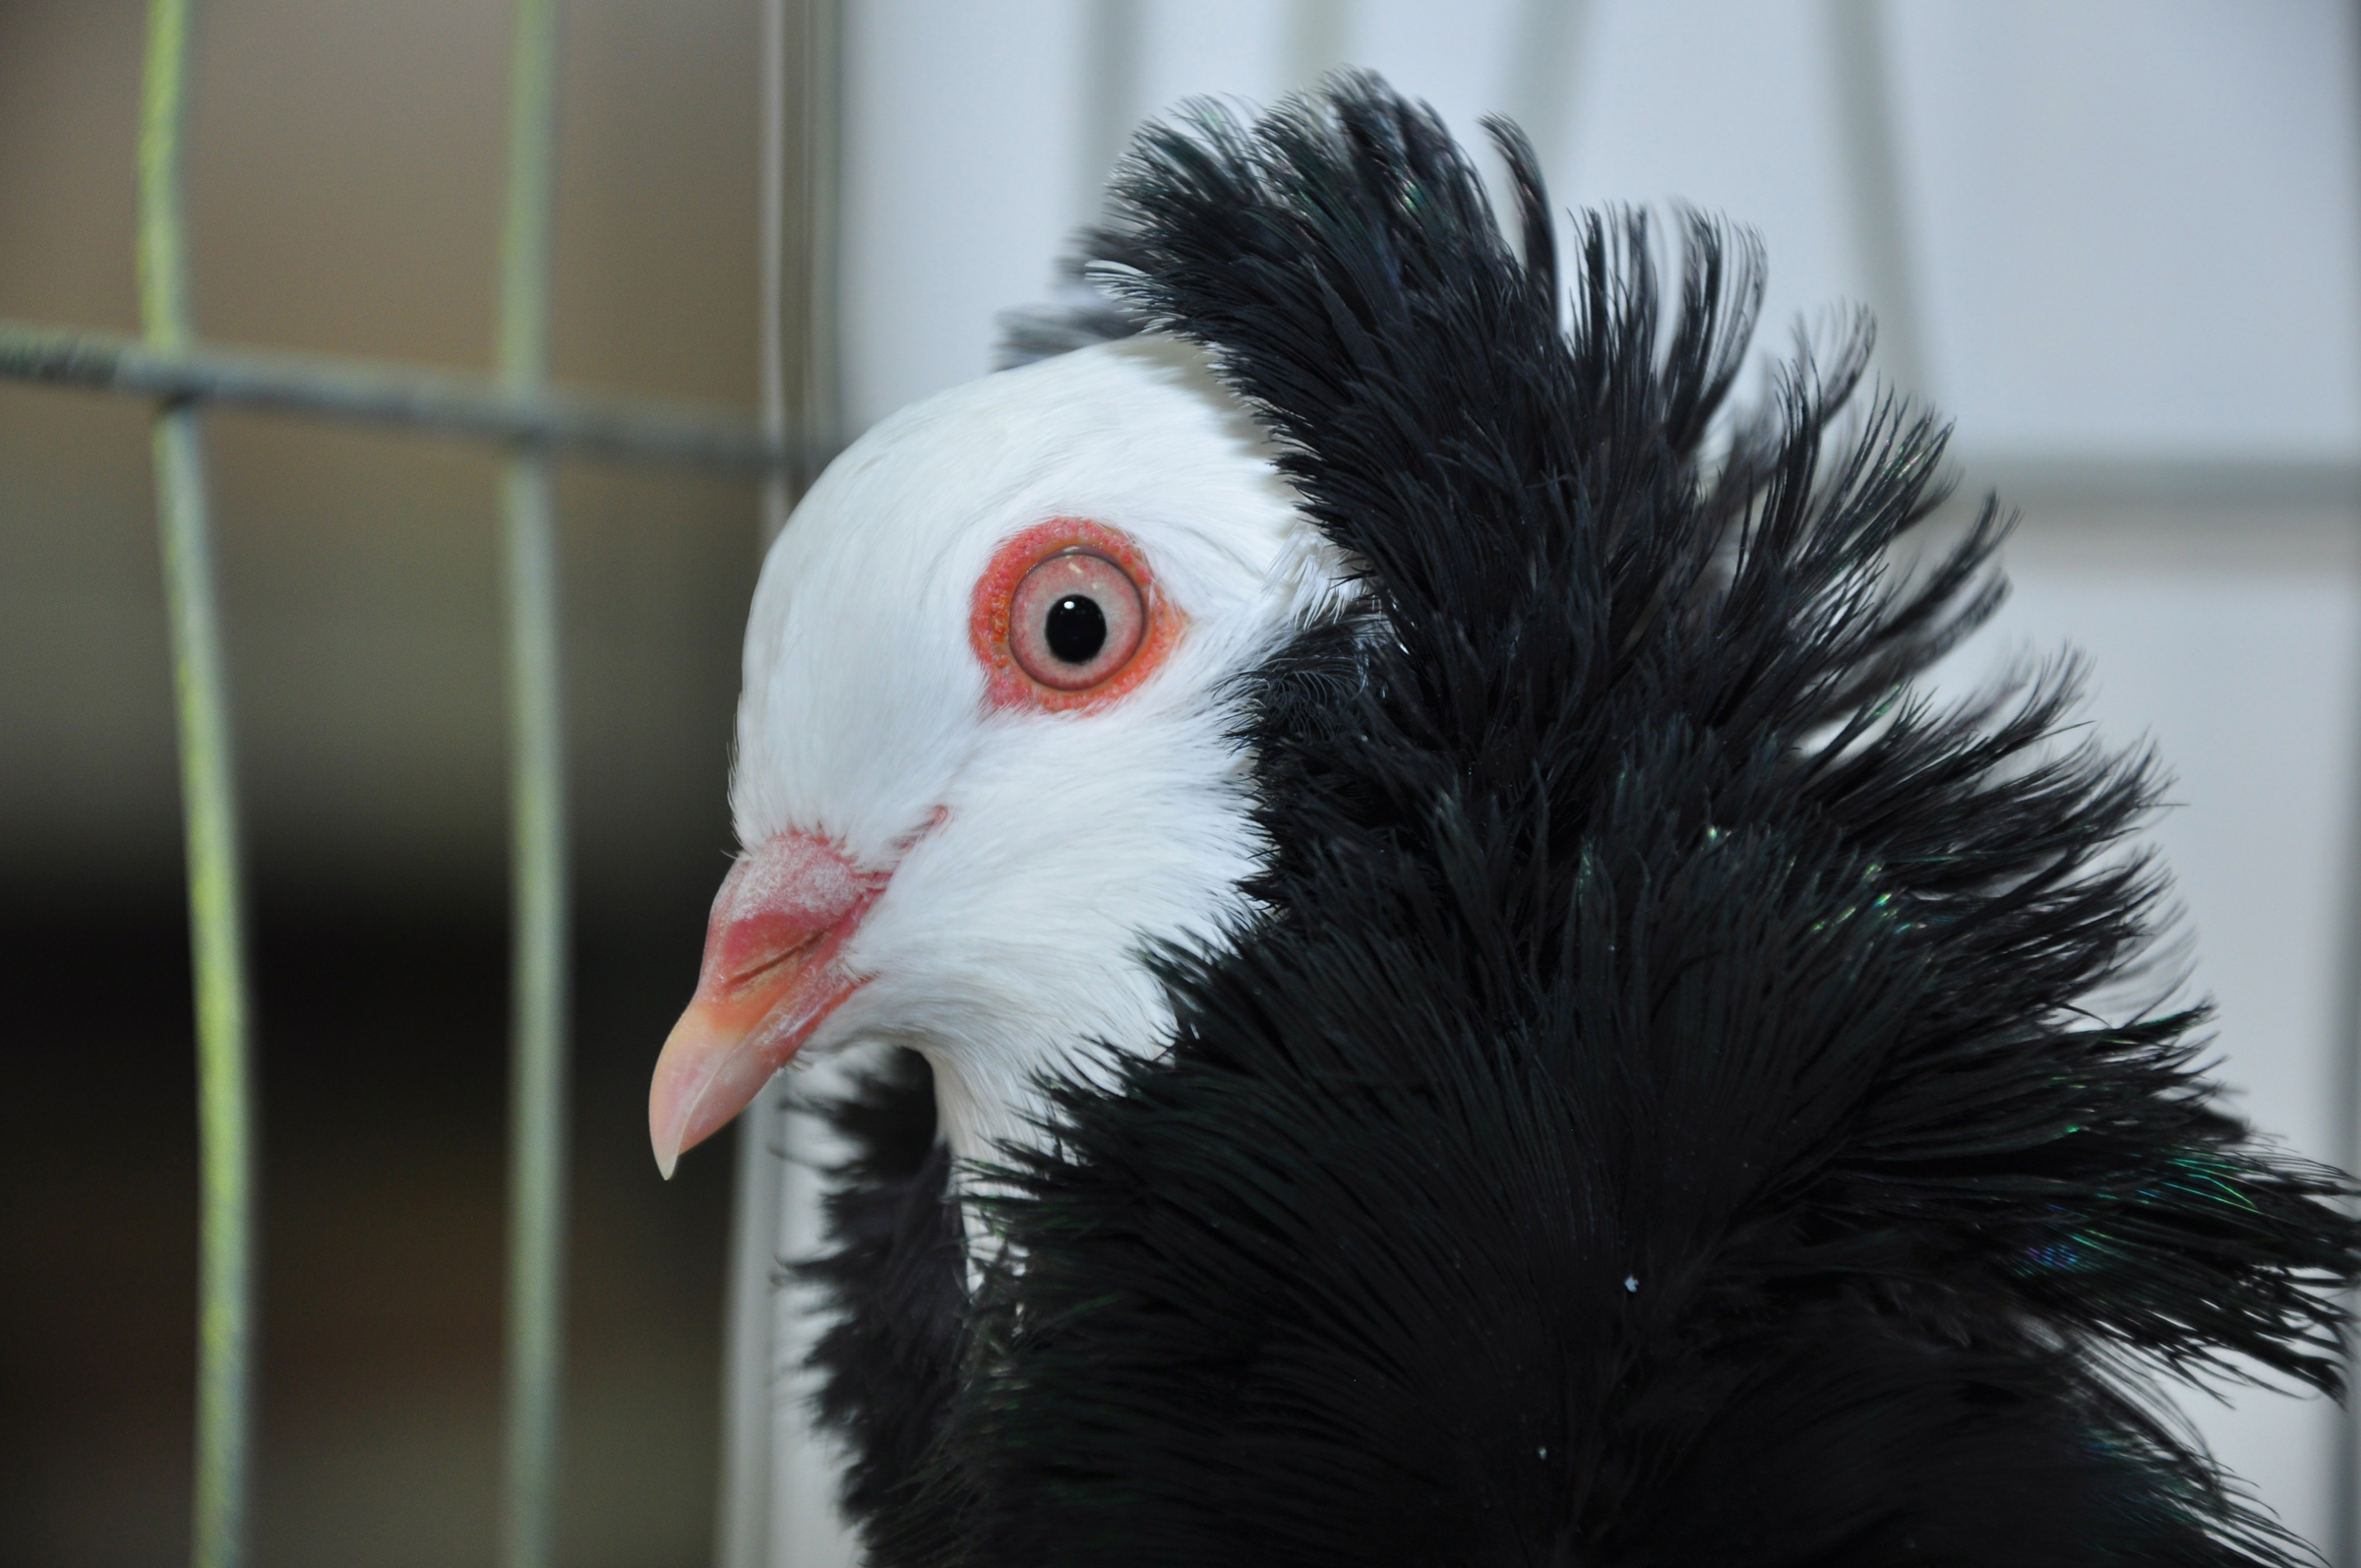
[(769, 977)]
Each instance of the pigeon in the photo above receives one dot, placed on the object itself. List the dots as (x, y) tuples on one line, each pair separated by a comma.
[(1424, 977)]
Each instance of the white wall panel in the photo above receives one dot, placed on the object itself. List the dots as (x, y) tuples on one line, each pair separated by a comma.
[(1457, 57), (963, 127), (1195, 49), (1728, 108), (2234, 645), (2135, 221)]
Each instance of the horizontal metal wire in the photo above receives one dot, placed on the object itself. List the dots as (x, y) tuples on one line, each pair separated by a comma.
[(2225, 482), (470, 406), (382, 392)]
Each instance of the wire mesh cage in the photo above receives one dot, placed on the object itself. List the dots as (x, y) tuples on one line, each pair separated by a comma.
[(776, 1507), (536, 426)]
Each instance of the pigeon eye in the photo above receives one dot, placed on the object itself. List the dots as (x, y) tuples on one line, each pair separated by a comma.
[(1076, 619), (1069, 616)]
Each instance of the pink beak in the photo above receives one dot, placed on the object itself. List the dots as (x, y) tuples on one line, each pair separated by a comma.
[(769, 978)]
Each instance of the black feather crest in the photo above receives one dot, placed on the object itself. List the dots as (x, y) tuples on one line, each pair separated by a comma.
[(1662, 1118)]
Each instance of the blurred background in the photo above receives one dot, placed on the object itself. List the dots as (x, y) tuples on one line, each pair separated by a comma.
[(2115, 239)]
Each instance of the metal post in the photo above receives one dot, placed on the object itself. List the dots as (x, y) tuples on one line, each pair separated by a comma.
[(1856, 34), (775, 1503), (208, 802), (1544, 77), (537, 1079), (1317, 34), (1115, 34), (2343, 1545), (2342, 1548), (812, 390), (742, 1534)]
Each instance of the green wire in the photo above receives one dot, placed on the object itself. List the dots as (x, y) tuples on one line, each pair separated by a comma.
[(387, 395), (209, 800), (537, 805)]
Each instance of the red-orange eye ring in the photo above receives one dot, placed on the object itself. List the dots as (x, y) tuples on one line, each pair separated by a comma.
[(1069, 616)]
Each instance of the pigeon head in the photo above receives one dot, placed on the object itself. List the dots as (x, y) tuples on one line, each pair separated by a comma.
[(987, 752)]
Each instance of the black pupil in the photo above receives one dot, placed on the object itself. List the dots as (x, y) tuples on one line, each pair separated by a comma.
[(1076, 629)]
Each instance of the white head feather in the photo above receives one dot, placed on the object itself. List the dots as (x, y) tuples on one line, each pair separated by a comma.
[(1034, 854)]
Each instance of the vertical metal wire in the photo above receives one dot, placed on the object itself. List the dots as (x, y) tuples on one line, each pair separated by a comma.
[(537, 1080), (816, 388), (800, 90), (774, 1505), (2343, 1545), (749, 1414), (1545, 49), (2342, 1548), (1114, 39), (1317, 34), (807, 1532), (777, 486), (209, 803), (1856, 34)]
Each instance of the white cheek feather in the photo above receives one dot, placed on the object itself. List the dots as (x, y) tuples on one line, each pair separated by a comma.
[(1010, 942), (1036, 856)]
